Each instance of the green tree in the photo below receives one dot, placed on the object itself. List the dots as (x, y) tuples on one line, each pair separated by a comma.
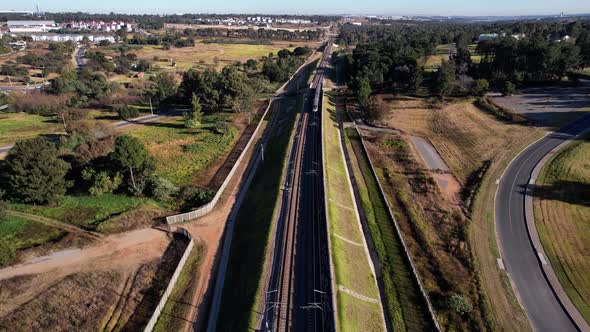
[(132, 157), (193, 119), (125, 112), (363, 92), (164, 86), (101, 182), (35, 173), (446, 79)]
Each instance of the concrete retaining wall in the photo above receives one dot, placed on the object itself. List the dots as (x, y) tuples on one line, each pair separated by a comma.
[(154, 319)]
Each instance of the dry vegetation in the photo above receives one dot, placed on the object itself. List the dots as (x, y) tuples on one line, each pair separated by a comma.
[(475, 144)]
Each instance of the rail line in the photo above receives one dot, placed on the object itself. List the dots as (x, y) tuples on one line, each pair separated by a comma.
[(298, 298)]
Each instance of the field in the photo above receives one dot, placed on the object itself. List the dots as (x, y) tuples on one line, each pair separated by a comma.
[(25, 233), (405, 306), (180, 153), (562, 215), (87, 212), (352, 269), (463, 134), (204, 55), (432, 61), (18, 126)]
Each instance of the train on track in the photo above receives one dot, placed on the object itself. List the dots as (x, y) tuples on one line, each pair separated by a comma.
[(317, 96)]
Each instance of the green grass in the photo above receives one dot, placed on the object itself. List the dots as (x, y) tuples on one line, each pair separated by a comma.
[(562, 211), (252, 232), (174, 314), (351, 266), (19, 126), (404, 303), (86, 211), (25, 233), (180, 153)]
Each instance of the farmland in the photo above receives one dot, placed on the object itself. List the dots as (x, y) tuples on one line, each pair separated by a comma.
[(562, 215), (351, 265)]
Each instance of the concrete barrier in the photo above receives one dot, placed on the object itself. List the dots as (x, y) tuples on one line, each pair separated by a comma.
[(154, 319)]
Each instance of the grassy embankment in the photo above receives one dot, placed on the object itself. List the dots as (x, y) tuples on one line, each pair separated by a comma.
[(87, 212), (562, 215), (24, 233), (180, 153), (470, 140), (174, 315), (404, 302), (351, 265), (253, 224)]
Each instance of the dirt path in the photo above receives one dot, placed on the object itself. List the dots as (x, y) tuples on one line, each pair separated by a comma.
[(125, 249), (58, 224)]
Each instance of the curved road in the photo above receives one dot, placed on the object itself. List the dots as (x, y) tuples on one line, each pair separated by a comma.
[(522, 263)]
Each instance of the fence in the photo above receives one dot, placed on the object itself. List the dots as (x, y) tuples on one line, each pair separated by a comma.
[(154, 319), (203, 210)]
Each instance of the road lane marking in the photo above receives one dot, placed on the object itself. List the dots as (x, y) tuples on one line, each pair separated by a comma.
[(348, 241), (357, 295)]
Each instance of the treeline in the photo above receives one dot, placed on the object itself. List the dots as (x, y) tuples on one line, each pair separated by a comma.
[(257, 34), (57, 60), (388, 57), (167, 40)]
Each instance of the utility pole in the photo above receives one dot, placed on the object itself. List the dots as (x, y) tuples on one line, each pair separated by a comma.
[(151, 108), (262, 150)]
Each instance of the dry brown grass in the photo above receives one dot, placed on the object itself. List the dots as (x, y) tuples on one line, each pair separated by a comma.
[(464, 135)]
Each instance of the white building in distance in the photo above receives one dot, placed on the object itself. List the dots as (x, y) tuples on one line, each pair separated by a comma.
[(31, 26)]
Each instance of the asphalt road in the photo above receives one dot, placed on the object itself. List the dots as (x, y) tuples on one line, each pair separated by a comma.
[(522, 263)]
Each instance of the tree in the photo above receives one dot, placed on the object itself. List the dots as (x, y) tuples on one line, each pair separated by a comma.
[(193, 119), (101, 182), (164, 86), (459, 304), (377, 108), (131, 155), (445, 79), (363, 92), (35, 173)]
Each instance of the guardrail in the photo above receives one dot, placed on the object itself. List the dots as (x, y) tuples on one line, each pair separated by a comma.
[(203, 210), (154, 319)]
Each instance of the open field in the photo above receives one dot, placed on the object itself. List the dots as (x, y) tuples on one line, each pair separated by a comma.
[(182, 153), (19, 126), (253, 224), (463, 134), (404, 303), (352, 269), (562, 215), (87, 211)]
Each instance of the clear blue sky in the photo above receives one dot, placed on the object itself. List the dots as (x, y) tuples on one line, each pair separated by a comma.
[(383, 7)]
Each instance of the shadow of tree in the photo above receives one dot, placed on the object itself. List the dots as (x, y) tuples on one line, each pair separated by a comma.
[(572, 192)]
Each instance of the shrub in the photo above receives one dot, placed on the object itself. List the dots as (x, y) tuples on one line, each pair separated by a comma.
[(194, 197), (7, 252), (101, 182), (459, 304), (480, 87), (161, 189), (508, 89), (125, 112)]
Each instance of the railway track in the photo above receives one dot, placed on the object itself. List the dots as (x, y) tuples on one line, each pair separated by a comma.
[(298, 298)]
